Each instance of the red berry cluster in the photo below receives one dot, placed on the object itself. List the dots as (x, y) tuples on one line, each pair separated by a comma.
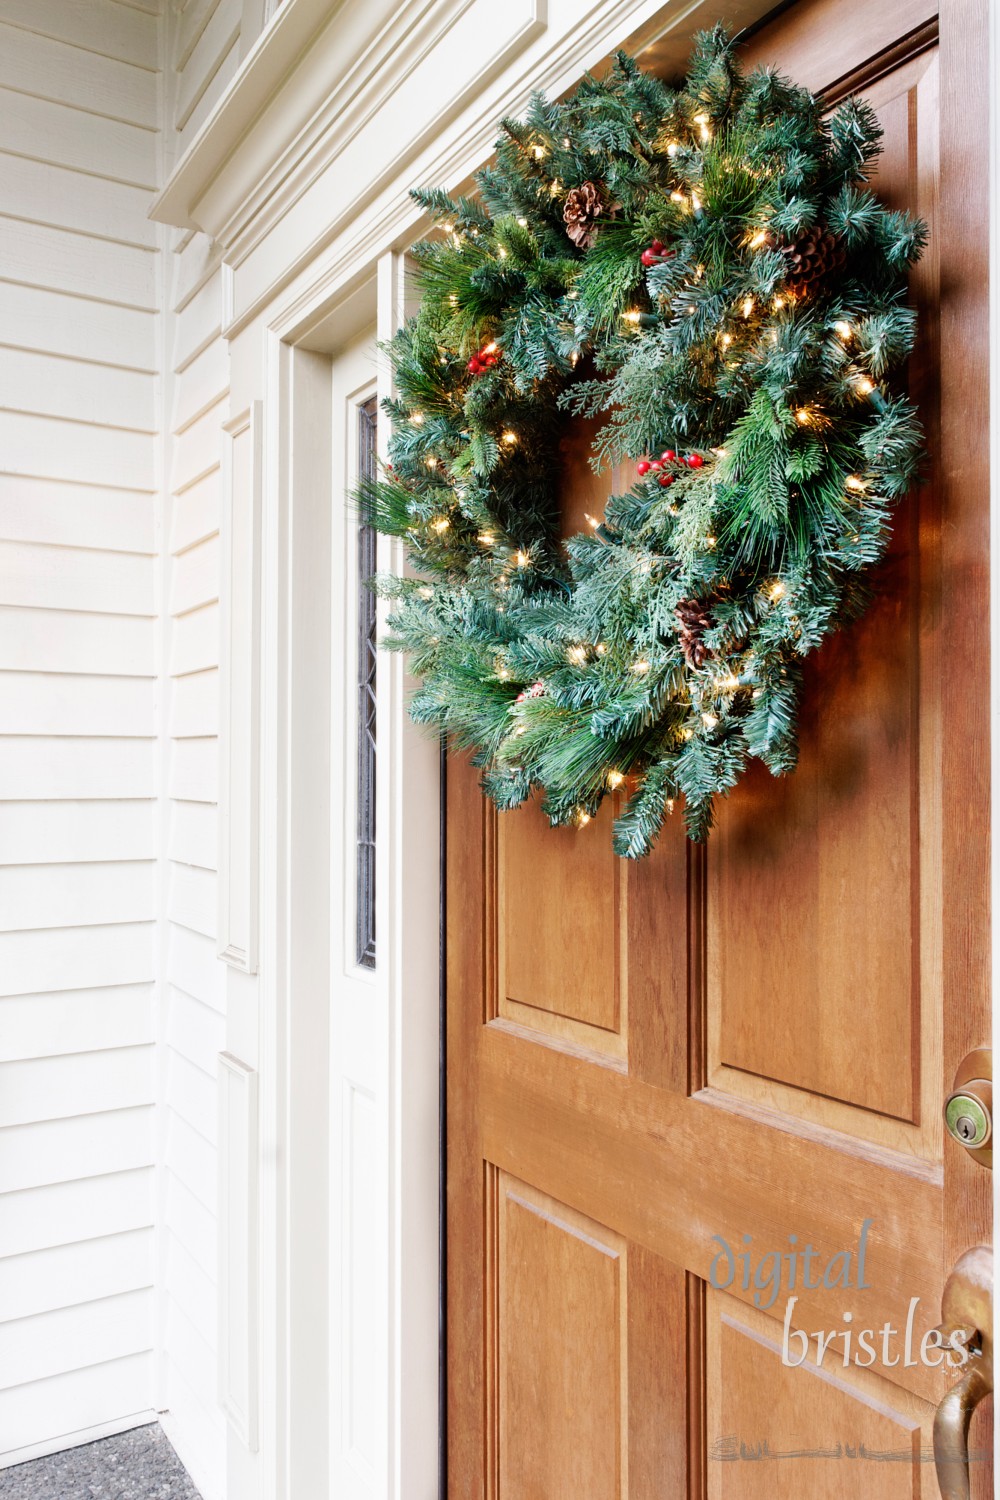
[(485, 359), (535, 691), (655, 253), (668, 456)]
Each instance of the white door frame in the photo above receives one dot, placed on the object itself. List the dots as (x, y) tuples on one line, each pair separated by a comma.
[(387, 1052)]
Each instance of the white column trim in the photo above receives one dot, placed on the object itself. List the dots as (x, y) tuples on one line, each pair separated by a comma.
[(239, 728)]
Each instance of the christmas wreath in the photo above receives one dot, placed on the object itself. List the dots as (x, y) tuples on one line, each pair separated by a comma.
[(704, 271)]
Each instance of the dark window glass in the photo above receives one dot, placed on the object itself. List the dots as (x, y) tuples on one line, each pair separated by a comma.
[(367, 661)]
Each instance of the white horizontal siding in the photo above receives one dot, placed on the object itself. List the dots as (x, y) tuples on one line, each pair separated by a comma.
[(69, 1021), (98, 26), (205, 53), (70, 1275), (72, 1210), (75, 895), (52, 69), (79, 402), (74, 326), (77, 1400)]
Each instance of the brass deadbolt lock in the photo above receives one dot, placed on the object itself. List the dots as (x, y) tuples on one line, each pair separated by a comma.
[(968, 1110)]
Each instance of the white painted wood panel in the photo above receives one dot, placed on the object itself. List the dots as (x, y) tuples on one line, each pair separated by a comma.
[(73, 832), (195, 261), (192, 1345), (40, 256), (85, 1083), (189, 1284), (76, 579), (192, 838), (194, 641), (74, 1338), (94, 25), (198, 324), (50, 386), (238, 1238), (216, 41), (191, 899), (192, 1002), (198, 449), (120, 953), (68, 1275), (55, 703), (67, 1213), (221, 79), (193, 1096), (33, 317), (194, 705), (192, 1224), (34, 770), (79, 382), (74, 1402), (188, 1156), (40, 896), (50, 69), (34, 1026), (193, 967), (50, 449), (206, 377), (195, 16), (35, 1156), (195, 513), (194, 577), (194, 770), (67, 199), (193, 1030), (65, 137), (64, 640)]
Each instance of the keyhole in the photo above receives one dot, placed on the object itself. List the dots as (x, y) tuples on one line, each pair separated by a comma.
[(966, 1128)]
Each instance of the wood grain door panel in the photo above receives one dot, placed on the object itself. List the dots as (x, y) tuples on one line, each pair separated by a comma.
[(824, 901), (748, 1044)]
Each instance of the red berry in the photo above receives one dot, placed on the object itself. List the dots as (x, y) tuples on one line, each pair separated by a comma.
[(666, 479), (474, 367), (694, 460), (656, 464), (657, 247), (668, 455), (648, 258), (643, 466), (490, 361)]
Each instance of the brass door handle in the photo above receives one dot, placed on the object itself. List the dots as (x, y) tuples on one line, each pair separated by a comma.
[(966, 1308)]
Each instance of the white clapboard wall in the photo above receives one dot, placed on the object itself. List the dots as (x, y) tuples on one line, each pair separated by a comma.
[(80, 402), (201, 47), (113, 388)]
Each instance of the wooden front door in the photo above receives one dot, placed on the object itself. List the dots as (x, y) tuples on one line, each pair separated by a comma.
[(682, 1091)]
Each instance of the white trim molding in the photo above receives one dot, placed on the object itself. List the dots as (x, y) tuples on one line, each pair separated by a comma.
[(356, 58), (239, 1371), (239, 748)]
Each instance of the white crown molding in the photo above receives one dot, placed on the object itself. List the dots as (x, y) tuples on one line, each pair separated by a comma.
[(312, 79)]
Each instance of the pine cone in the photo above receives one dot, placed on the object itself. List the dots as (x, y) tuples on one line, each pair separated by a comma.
[(581, 210), (814, 256), (694, 617)]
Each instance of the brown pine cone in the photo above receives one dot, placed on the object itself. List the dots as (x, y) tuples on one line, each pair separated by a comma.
[(581, 210), (814, 256), (694, 617)]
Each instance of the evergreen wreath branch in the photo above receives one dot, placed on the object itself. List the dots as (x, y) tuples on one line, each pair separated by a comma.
[(704, 271)]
